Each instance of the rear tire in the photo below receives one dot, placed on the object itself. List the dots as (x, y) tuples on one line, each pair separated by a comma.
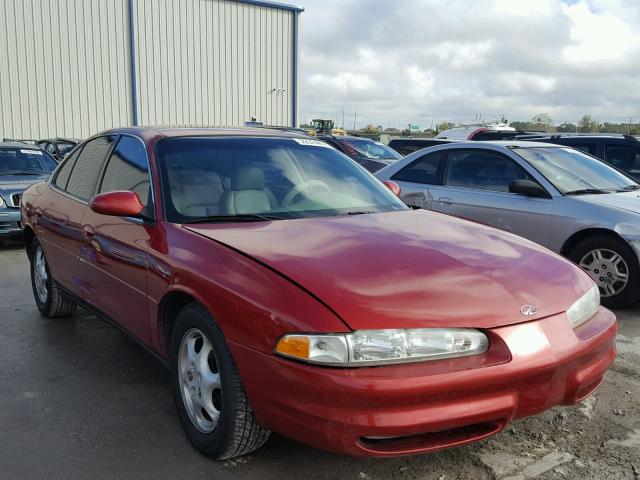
[(48, 296), (207, 389), (596, 255)]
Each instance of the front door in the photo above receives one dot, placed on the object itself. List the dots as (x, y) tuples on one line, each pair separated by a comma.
[(476, 187), (116, 269)]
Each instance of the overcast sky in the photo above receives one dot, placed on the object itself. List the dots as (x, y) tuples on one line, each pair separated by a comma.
[(418, 61)]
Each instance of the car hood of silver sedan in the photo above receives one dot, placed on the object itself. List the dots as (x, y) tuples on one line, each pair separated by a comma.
[(629, 201)]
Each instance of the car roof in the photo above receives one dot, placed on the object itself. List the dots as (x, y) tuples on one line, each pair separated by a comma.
[(344, 137), (60, 139), (185, 131)]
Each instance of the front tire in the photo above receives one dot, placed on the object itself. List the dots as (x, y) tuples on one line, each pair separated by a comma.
[(208, 391), (613, 265), (48, 295)]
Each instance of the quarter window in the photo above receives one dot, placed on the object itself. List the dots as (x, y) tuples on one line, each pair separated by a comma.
[(62, 178), (128, 169), (482, 170), (86, 169), (423, 170)]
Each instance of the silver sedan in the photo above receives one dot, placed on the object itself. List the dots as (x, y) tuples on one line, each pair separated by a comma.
[(566, 200)]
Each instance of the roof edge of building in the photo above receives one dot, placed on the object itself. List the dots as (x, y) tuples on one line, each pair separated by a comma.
[(274, 4)]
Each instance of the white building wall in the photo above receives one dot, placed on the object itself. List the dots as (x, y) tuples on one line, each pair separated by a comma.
[(64, 67), (213, 62)]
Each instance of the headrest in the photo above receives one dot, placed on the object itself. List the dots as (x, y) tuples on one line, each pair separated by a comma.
[(247, 178)]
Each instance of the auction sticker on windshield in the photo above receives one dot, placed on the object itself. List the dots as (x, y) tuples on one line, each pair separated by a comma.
[(31, 152), (311, 142)]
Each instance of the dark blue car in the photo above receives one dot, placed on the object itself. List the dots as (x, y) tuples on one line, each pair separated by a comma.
[(21, 165)]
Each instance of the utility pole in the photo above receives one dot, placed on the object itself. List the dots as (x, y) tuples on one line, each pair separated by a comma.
[(343, 118), (355, 116), (629, 130)]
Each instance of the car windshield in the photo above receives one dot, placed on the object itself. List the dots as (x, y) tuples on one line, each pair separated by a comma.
[(369, 149), (572, 171), (249, 178), (25, 161)]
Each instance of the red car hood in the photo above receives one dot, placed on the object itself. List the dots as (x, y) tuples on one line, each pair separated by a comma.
[(410, 269)]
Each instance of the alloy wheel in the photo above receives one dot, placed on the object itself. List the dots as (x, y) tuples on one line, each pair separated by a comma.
[(199, 378), (608, 269), (40, 276)]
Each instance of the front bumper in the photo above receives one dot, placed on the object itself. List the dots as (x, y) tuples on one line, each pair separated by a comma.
[(416, 408), (10, 222)]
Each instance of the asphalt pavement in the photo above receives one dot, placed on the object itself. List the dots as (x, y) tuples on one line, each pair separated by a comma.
[(78, 399)]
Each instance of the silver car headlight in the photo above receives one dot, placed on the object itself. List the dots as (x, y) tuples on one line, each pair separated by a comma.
[(382, 347), (584, 308), (1, 201)]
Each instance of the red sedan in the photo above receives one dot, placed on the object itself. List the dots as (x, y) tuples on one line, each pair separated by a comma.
[(288, 290)]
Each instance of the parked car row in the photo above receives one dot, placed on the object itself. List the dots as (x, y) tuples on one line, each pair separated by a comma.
[(288, 290)]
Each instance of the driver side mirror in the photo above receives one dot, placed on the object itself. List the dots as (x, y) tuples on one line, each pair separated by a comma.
[(117, 204), (528, 188)]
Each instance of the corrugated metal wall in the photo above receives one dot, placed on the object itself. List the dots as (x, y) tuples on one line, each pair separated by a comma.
[(64, 67), (213, 62)]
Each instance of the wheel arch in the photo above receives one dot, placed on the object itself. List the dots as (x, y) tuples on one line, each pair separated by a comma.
[(28, 235), (580, 235), (172, 302)]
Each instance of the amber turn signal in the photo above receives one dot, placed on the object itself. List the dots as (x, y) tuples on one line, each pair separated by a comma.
[(294, 346)]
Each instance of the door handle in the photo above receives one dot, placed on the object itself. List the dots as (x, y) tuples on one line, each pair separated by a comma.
[(445, 200), (88, 232)]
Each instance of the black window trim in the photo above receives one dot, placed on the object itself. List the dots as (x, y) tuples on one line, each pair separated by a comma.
[(151, 202), (445, 161), (93, 190)]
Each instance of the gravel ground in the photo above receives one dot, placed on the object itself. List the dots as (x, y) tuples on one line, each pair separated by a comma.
[(80, 400)]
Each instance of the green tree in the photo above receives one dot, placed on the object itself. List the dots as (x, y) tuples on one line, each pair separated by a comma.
[(444, 126), (567, 127), (542, 123), (588, 125)]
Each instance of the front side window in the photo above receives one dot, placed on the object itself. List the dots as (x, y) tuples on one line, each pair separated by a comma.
[(623, 157), (25, 161), (589, 148), (573, 172), (87, 167), (281, 177), (128, 169), (424, 170), (483, 170)]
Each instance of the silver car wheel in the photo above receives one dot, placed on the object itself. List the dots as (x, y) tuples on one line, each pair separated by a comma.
[(608, 269), (200, 380), (40, 275)]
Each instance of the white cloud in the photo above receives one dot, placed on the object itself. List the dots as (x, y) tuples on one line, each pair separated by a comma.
[(407, 62)]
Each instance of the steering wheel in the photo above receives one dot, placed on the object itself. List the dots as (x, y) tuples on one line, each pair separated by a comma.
[(301, 188)]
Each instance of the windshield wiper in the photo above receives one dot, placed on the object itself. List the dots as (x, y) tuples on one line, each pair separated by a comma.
[(243, 217), (586, 191), (17, 172), (629, 188), (357, 212)]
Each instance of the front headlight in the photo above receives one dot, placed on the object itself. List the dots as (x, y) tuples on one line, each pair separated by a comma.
[(584, 308), (1, 201), (382, 347)]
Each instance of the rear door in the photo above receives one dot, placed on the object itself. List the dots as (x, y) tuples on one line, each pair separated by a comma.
[(59, 224), (116, 264), (420, 180), (476, 187)]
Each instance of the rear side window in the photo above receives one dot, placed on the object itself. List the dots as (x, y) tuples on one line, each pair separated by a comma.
[(482, 170), (623, 157), (128, 169), (423, 170), (62, 178), (88, 165)]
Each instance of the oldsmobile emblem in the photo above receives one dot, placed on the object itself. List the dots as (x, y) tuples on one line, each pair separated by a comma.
[(528, 310)]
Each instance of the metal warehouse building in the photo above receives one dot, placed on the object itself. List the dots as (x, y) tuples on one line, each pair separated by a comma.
[(75, 67)]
